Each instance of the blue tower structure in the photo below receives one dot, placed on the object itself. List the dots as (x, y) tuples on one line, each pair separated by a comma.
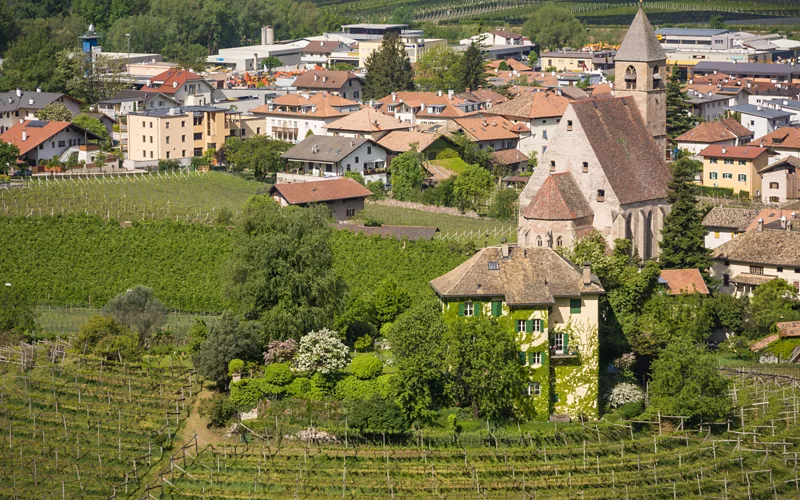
[(89, 40)]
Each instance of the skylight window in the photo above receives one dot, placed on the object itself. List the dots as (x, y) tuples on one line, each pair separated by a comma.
[(494, 265)]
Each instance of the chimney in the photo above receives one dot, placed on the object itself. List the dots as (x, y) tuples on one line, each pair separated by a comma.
[(19, 92), (587, 274), (316, 77), (352, 143), (314, 149), (270, 35), (760, 224), (394, 96), (263, 35), (749, 85), (724, 150), (174, 85), (439, 93), (794, 215), (324, 78), (38, 89), (450, 94), (783, 222), (504, 250), (24, 136), (759, 108)]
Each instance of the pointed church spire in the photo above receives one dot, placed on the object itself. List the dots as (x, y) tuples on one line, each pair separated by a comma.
[(640, 43)]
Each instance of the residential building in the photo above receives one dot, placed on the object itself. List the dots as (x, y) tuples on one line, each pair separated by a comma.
[(497, 37), (131, 101), (540, 112), (492, 132), (488, 97), (319, 53), (328, 156), (791, 106), (551, 308), (759, 256), (722, 132), (186, 87), (708, 106), (429, 144), (427, 108), (734, 167), (759, 119), (372, 31), (344, 84), (180, 133), (23, 105), (779, 180), (764, 72), (40, 141), (366, 123), (412, 40), (784, 142), (344, 197), (723, 224), (577, 61), (292, 117), (510, 65), (682, 282)]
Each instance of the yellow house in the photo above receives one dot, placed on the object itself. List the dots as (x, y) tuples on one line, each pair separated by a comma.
[(734, 167)]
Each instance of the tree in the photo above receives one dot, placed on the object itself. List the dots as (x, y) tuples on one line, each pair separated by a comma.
[(687, 382), (483, 369), (139, 309), (271, 63), (471, 153), (377, 415), (192, 56), (474, 73), (390, 300), (554, 28), (666, 319), (280, 351), (716, 21), (258, 154), (679, 116), (407, 175), (8, 156), (17, 315), (55, 111), (504, 205), (772, 302), (321, 352), (229, 338), (388, 68), (93, 125), (440, 68), (281, 268), (683, 236), (352, 174), (472, 188)]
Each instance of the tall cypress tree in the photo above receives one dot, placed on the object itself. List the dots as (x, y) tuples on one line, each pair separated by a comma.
[(683, 236), (388, 69), (474, 67), (679, 117)]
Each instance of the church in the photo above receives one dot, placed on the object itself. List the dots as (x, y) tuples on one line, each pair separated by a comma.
[(605, 168)]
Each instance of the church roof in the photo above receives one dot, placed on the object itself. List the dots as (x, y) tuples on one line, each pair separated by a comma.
[(640, 43), (630, 158), (559, 198)]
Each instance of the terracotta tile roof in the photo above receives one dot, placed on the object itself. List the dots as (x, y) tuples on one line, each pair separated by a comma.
[(326, 80), (520, 128), (682, 281), (574, 93), (600, 88), (640, 43), (320, 105), (170, 81), (368, 120), (787, 162), (531, 105), (400, 141), (509, 156), (631, 160), (759, 344), (320, 47), (729, 218), (735, 152), (412, 233), (788, 328), (480, 128), (769, 215), (770, 246), (36, 132), (559, 198), (512, 64), (484, 95), (752, 279), (418, 99), (715, 131), (533, 276), (303, 193), (784, 137)]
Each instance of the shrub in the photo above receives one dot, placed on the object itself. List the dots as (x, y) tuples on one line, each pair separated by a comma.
[(352, 174), (217, 409), (447, 153), (299, 387), (378, 190), (366, 367), (354, 389), (224, 216), (120, 348), (320, 387), (271, 391), (235, 366), (280, 351), (363, 342), (278, 374), (322, 352), (385, 384), (378, 414), (624, 393), (94, 330), (630, 410), (245, 394)]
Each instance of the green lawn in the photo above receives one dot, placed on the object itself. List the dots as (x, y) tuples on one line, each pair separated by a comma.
[(456, 165)]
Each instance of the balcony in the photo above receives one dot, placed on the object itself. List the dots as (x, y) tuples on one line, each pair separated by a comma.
[(560, 353), (284, 130)]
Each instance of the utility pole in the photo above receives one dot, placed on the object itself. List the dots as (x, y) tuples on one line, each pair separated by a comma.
[(128, 67)]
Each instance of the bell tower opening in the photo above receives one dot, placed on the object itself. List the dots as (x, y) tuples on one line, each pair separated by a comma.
[(630, 78)]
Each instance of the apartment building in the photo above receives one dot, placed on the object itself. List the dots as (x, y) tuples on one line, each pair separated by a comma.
[(734, 167)]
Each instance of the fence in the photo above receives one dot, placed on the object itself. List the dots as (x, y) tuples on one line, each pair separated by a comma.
[(510, 233), (69, 320)]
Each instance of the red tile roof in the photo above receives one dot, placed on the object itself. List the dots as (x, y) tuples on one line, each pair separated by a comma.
[(36, 133), (683, 281), (531, 105), (509, 156), (788, 328), (368, 120), (784, 137), (735, 152), (715, 131), (326, 105), (303, 193), (488, 128), (170, 81), (559, 198)]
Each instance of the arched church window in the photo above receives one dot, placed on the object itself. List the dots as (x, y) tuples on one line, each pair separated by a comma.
[(630, 78), (559, 242), (656, 77), (538, 241)]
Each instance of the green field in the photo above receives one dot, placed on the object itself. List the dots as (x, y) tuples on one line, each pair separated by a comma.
[(456, 165), (65, 321)]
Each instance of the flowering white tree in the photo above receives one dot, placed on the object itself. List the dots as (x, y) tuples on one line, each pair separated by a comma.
[(623, 393), (321, 352)]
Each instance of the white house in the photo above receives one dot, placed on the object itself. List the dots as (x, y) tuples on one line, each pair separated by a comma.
[(785, 142), (722, 224), (186, 87), (723, 132), (330, 156), (23, 105), (292, 117), (761, 120), (39, 141)]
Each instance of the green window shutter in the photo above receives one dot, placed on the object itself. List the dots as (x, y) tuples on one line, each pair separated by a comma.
[(574, 306), (497, 308), (530, 357), (566, 343), (460, 308), (544, 357), (521, 358), (529, 326), (476, 308)]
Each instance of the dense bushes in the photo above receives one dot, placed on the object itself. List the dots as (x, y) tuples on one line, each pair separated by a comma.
[(366, 367)]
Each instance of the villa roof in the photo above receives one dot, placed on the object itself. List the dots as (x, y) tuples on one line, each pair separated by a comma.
[(769, 246), (368, 120), (529, 105), (715, 131), (730, 218), (784, 137), (681, 281), (734, 152), (303, 193)]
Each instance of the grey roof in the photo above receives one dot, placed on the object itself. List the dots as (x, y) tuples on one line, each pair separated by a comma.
[(729, 218), (786, 103), (324, 148), (752, 109), (181, 110), (746, 68), (533, 276), (690, 32), (640, 43), (770, 246), (10, 102), (704, 98)]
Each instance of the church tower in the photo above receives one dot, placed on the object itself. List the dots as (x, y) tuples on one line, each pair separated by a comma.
[(640, 73)]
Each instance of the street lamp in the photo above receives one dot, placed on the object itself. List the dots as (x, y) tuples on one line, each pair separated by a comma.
[(128, 36)]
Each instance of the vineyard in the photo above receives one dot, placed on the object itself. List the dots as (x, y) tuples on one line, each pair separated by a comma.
[(78, 427), (754, 455)]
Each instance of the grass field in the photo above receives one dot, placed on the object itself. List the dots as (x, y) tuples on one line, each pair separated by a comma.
[(65, 321), (456, 165)]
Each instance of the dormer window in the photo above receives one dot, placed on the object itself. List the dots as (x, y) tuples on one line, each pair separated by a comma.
[(494, 265), (601, 195)]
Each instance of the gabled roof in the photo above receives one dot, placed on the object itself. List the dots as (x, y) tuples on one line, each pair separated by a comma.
[(509, 156), (303, 193), (769, 215), (529, 105), (527, 277), (368, 120), (321, 104), (729, 218), (36, 132), (734, 152), (788, 328), (512, 64), (787, 162), (170, 81), (418, 99), (715, 131), (761, 111), (683, 281), (771, 246), (640, 43), (559, 198), (400, 141), (483, 95), (10, 102), (325, 79), (324, 148), (630, 158), (321, 47), (481, 128), (784, 137)]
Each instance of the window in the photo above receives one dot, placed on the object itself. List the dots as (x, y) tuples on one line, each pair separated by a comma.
[(544, 133), (151, 124), (601, 195), (369, 150), (166, 125), (574, 306), (183, 123), (536, 388), (167, 155), (713, 161), (558, 343), (728, 162), (552, 165), (198, 136), (742, 177), (535, 358), (183, 138), (742, 162), (559, 242), (773, 185), (585, 167), (350, 212), (167, 139), (521, 326), (356, 159), (469, 309), (630, 78), (151, 139), (712, 175), (726, 279), (538, 241), (780, 269), (727, 175), (756, 270), (183, 153), (536, 325), (62, 144), (144, 138), (774, 199), (151, 154), (569, 125), (716, 234)]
